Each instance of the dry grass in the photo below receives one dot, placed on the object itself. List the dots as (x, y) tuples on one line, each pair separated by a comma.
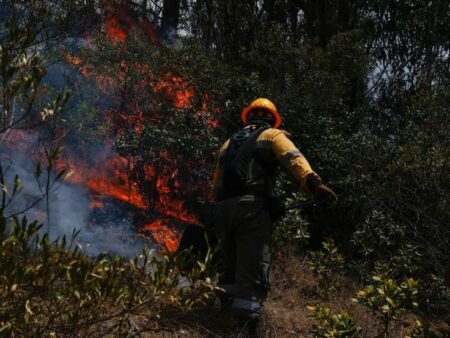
[(294, 287)]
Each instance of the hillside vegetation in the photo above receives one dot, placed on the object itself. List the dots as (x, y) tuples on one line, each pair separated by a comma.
[(364, 89)]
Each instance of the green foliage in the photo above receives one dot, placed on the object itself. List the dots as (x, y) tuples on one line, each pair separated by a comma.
[(83, 122), (366, 99), (22, 68), (331, 325), (325, 264), (293, 226), (21, 75), (424, 330), (52, 287), (362, 86), (388, 299)]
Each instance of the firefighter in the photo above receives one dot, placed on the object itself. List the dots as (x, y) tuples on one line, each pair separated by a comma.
[(246, 207)]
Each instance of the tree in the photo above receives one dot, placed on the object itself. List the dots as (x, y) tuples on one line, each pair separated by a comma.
[(170, 18)]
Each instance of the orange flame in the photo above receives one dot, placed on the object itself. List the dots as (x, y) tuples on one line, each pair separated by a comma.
[(112, 179), (176, 88), (106, 180), (113, 30), (118, 20), (163, 234)]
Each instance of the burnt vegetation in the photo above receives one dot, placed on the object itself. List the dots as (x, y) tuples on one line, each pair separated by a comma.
[(122, 105)]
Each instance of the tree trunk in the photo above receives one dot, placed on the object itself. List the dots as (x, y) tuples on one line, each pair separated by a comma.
[(170, 18)]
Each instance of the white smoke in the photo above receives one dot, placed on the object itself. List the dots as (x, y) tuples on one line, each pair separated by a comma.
[(69, 209)]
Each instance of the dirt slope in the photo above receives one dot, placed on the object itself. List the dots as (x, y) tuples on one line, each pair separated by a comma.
[(294, 287)]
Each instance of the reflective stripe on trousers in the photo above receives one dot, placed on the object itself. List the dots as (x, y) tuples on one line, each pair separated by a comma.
[(246, 305)]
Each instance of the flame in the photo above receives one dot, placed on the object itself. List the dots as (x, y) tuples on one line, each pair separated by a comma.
[(109, 176), (118, 178), (114, 22), (118, 21), (76, 61), (163, 234), (167, 184), (114, 31), (206, 107), (177, 89), (108, 179), (104, 186), (85, 70)]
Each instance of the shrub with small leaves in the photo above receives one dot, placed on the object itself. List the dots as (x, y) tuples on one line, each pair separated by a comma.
[(52, 287), (331, 325), (325, 263), (388, 299), (424, 330)]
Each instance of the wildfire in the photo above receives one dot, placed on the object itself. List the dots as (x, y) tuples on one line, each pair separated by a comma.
[(110, 177), (176, 88), (118, 21), (106, 179), (154, 190), (113, 30), (163, 234)]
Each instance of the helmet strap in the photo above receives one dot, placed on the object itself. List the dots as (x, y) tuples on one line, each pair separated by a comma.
[(260, 123)]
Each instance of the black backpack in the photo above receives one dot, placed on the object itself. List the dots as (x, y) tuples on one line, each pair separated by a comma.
[(239, 159)]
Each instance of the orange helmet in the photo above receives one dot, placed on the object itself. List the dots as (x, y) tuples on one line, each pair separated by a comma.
[(263, 104)]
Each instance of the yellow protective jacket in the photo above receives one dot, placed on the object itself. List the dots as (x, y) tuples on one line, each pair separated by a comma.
[(274, 144)]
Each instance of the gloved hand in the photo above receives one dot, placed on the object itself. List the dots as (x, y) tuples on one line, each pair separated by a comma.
[(322, 194)]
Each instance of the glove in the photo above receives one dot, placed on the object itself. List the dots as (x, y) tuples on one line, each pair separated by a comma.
[(322, 194)]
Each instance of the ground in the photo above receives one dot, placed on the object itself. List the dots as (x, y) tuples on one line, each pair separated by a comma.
[(294, 287)]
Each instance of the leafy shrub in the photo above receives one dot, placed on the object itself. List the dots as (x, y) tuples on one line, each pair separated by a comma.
[(331, 325), (388, 299), (52, 287), (424, 330), (325, 264)]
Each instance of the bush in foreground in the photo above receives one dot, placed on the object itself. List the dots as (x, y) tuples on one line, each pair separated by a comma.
[(53, 288)]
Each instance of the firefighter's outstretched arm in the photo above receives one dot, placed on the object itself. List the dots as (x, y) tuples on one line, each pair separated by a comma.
[(289, 155)]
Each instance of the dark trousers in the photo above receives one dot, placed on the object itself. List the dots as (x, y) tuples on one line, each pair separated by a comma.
[(244, 230), (447, 275)]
